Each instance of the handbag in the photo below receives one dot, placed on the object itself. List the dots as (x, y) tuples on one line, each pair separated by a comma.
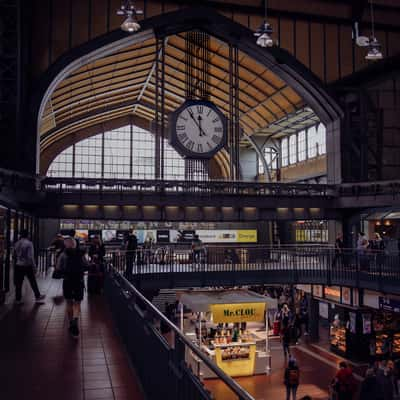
[(57, 274)]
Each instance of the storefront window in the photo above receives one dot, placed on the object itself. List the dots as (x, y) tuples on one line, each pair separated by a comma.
[(311, 231)]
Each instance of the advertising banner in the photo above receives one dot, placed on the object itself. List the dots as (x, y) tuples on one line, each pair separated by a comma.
[(241, 312), (162, 236), (247, 236)]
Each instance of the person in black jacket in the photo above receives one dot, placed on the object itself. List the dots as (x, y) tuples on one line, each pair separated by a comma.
[(97, 248), (131, 253), (370, 388), (72, 265)]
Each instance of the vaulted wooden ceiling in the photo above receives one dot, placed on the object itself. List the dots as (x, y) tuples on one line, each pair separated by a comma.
[(123, 83)]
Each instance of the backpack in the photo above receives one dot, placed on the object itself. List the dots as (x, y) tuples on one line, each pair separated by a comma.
[(293, 377)]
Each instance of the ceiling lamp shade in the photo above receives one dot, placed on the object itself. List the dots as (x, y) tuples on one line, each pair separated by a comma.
[(129, 10), (374, 51), (264, 35), (130, 25)]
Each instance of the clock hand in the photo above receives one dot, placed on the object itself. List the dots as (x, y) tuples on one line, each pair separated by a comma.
[(197, 124), (200, 127)]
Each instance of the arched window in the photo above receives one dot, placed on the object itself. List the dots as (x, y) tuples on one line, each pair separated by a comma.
[(123, 153)]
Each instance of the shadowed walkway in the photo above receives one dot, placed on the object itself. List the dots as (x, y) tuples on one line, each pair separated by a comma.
[(40, 361)]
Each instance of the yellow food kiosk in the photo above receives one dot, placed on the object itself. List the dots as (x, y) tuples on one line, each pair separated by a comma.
[(232, 349)]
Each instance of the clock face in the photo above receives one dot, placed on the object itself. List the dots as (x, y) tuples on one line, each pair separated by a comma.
[(198, 129)]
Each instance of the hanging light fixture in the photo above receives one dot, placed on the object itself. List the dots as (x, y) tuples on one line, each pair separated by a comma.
[(129, 10), (264, 32), (374, 47)]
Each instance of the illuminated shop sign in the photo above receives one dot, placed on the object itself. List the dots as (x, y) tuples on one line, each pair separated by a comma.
[(241, 312), (332, 293)]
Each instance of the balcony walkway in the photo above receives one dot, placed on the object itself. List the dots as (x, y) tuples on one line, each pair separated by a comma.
[(39, 359)]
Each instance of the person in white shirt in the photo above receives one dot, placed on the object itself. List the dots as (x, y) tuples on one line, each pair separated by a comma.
[(25, 266)]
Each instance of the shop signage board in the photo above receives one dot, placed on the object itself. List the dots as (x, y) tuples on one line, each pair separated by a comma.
[(388, 304), (240, 312), (332, 293), (346, 295), (317, 290)]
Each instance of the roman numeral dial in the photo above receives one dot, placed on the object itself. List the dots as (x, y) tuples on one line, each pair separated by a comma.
[(198, 129)]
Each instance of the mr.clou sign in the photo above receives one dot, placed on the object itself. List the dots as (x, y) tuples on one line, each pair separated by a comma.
[(243, 312)]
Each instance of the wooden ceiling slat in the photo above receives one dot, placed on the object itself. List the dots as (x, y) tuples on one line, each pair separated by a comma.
[(88, 73), (100, 78), (114, 57), (84, 95), (74, 113), (93, 99)]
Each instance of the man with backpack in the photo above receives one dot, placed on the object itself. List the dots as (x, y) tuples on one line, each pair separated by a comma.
[(292, 379)]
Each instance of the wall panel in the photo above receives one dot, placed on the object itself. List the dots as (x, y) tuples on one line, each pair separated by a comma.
[(394, 43), (80, 19), (302, 43), (346, 51), (332, 53), (287, 35), (114, 19), (40, 34), (98, 18), (60, 29), (317, 50)]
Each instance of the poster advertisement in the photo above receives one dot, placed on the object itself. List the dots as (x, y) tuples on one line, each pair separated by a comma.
[(323, 310), (353, 320), (366, 320), (109, 235), (163, 236), (346, 295), (82, 235)]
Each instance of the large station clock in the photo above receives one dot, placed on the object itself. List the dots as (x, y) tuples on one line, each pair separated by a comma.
[(198, 129)]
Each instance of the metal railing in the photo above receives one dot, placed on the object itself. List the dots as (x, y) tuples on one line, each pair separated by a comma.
[(93, 185), (230, 266), (161, 365), (97, 185)]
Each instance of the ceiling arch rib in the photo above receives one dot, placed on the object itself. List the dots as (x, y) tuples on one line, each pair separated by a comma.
[(123, 83)]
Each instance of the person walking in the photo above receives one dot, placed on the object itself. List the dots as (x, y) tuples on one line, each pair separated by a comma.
[(131, 253), (25, 266), (97, 248), (339, 246), (286, 339), (370, 389), (72, 265), (291, 379), (344, 382), (362, 246)]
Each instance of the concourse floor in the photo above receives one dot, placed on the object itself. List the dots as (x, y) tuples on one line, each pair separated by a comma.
[(316, 371), (39, 360)]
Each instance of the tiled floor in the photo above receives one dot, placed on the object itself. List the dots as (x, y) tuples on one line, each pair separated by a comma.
[(40, 361), (316, 372)]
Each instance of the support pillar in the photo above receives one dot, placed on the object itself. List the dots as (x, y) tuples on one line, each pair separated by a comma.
[(313, 318)]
